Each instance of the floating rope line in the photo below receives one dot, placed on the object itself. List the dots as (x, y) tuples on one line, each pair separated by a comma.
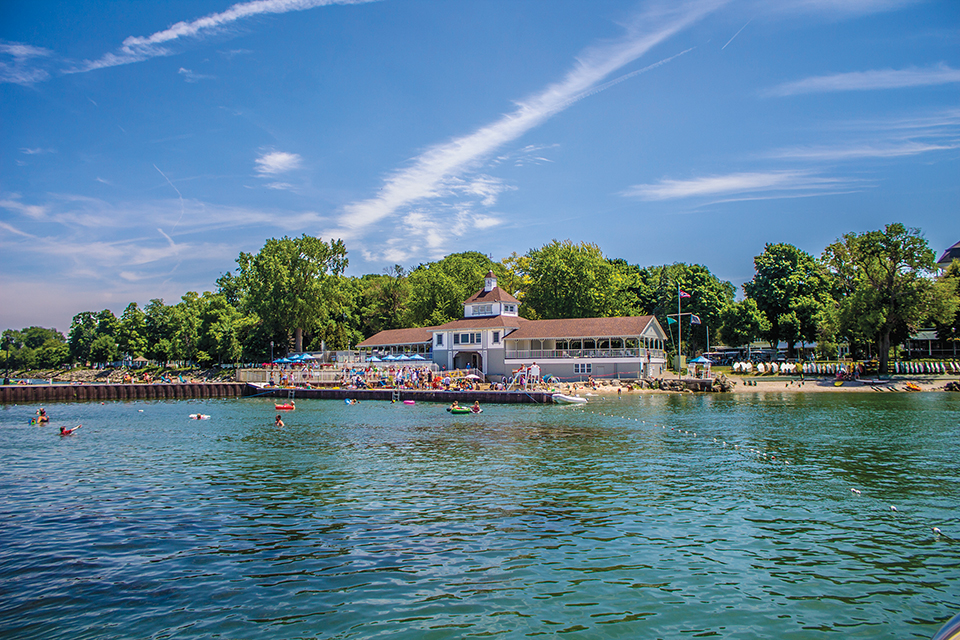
[(749, 452)]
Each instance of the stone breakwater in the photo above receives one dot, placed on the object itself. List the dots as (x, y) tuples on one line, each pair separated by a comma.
[(29, 393)]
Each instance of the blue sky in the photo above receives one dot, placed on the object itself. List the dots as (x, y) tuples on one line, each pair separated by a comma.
[(146, 144)]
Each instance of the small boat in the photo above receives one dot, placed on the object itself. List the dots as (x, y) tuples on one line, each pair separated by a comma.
[(560, 398), (284, 407)]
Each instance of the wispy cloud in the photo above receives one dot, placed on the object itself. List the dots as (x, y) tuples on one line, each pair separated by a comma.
[(869, 80), (858, 151), (839, 8), (771, 183), (139, 48), (275, 162), (432, 173), (192, 77), (16, 63), (34, 211)]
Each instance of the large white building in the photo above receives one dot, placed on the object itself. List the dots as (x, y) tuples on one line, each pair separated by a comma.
[(493, 338)]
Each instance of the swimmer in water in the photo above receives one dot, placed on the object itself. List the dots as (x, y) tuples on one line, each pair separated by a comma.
[(278, 422), (69, 432)]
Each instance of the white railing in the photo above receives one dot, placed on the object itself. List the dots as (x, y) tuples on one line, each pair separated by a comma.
[(549, 354)]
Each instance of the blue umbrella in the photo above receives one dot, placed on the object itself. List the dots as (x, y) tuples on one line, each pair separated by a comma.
[(701, 360), (282, 361), (390, 358), (417, 356), (374, 359)]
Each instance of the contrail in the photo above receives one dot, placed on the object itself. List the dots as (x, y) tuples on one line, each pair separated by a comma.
[(178, 194), (736, 34), (615, 81)]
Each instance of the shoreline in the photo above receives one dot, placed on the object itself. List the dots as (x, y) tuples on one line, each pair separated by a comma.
[(925, 383)]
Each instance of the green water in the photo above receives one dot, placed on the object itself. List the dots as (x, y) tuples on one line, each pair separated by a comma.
[(385, 520)]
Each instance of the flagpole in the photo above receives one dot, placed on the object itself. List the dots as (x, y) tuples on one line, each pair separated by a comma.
[(679, 333)]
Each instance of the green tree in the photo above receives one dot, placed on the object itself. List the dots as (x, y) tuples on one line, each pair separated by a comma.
[(103, 349), (438, 289), (887, 277), (289, 283), (742, 323), (657, 294), (83, 331), (568, 280), (132, 331), (384, 301), (107, 324), (948, 328), (789, 287), (185, 323), (158, 322)]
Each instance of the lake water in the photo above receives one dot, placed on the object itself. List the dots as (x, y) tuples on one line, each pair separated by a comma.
[(383, 520)]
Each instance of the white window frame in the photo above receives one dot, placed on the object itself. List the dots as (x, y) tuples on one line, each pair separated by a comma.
[(496, 337), (439, 339), (582, 367)]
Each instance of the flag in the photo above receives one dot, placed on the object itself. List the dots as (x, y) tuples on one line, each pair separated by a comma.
[(684, 294), (671, 321), (694, 319)]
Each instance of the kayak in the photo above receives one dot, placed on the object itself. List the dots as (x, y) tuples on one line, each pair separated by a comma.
[(284, 407)]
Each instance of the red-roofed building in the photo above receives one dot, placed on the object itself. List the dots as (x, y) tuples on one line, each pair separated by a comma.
[(493, 338)]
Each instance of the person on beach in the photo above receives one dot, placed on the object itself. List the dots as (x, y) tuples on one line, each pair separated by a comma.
[(69, 432), (278, 422)]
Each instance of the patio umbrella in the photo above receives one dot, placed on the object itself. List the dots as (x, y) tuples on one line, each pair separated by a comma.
[(417, 356), (374, 359), (701, 360), (472, 376), (390, 358)]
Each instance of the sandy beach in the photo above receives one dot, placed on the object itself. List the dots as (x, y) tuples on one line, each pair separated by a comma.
[(776, 385)]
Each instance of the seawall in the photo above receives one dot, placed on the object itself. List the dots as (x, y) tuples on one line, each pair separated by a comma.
[(33, 393), (29, 393)]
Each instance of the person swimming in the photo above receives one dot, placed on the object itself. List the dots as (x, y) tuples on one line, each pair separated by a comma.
[(476, 407), (278, 422), (69, 432)]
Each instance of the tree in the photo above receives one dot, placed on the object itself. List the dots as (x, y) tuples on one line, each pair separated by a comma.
[(948, 329), (657, 294), (132, 331), (438, 289), (83, 331), (158, 321), (289, 283), (742, 323), (185, 321), (789, 287), (384, 300), (568, 280), (887, 278), (103, 350)]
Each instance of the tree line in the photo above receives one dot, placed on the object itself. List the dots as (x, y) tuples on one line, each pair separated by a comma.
[(869, 290)]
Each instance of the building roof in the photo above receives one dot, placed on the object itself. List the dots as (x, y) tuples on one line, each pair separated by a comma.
[(583, 328), (392, 337), (951, 254), (485, 322), (494, 295)]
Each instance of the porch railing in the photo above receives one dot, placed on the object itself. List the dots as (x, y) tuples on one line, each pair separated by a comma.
[(549, 354)]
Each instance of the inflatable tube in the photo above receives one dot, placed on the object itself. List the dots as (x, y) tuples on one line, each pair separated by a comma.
[(458, 411), (284, 407), (409, 402)]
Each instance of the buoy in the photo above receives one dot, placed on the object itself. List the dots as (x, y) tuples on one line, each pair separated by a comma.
[(893, 508)]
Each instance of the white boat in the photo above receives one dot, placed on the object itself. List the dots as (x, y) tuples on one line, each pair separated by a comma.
[(560, 398)]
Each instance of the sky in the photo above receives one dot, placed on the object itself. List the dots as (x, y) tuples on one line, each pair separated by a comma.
[(145, 145)]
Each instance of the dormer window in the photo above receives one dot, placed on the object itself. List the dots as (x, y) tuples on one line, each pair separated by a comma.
[(483, 309), (509, 308)]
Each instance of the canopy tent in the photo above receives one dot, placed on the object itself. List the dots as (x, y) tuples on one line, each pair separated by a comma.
[(700, 361)]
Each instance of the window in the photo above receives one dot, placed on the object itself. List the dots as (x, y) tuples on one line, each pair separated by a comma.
[(483, 309), (583, 368), (509, 308), (496, 337), (439, 339), (456, 338), (466, 338)]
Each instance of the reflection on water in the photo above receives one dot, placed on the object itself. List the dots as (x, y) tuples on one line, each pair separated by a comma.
[(406, 522)]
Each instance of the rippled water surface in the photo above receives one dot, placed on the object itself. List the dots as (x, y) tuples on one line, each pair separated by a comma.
[(384, 520)]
